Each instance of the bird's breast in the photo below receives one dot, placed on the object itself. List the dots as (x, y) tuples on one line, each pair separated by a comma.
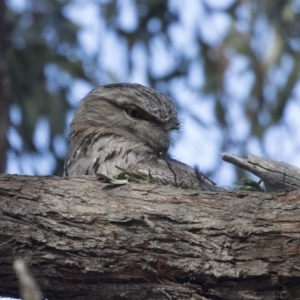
[(106, 153)]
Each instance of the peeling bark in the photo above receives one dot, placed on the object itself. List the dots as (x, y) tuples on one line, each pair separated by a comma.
[(145, 241)]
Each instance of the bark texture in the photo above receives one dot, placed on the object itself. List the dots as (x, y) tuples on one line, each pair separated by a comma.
[(144, 241)]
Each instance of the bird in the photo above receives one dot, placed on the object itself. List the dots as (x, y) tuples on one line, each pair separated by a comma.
[(127, 127)]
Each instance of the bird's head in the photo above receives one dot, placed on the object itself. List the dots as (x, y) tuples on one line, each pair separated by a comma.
[(133, 110)]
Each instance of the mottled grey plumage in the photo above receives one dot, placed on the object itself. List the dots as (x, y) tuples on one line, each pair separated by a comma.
[(127, 127)]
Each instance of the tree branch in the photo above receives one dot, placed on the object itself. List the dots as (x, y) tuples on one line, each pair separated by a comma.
[(275, 175), (145, 241)]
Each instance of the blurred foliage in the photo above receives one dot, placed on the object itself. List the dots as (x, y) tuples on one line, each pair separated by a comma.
[(262, 40), (38, 37)]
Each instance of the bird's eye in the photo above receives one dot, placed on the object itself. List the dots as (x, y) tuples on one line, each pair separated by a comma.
[(134, 113)]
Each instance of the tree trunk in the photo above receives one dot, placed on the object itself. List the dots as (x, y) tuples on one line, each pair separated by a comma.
[(5, 91), (82, 240)]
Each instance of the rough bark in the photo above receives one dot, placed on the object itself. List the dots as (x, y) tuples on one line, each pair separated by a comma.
[(275, 175), (145, 241)]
